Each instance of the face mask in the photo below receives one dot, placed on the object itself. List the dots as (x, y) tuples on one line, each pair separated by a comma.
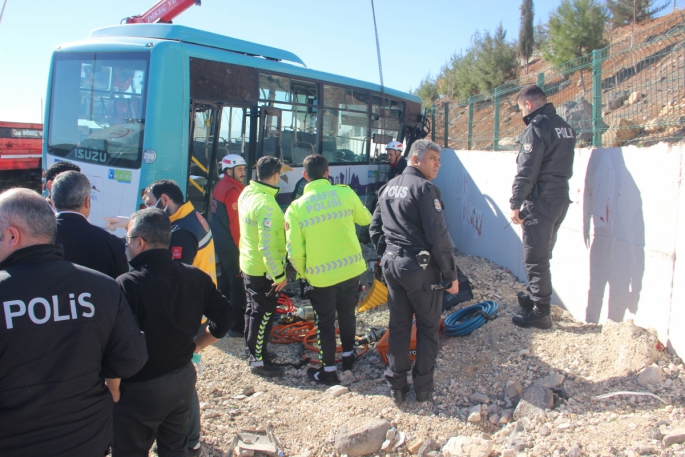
[(158, 206)]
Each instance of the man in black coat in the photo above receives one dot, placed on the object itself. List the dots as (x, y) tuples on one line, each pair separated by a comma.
[(64, 330), (544, 167), (169, 299), (84, 243)]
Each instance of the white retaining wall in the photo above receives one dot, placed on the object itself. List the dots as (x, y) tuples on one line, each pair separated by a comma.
[(617, 250)]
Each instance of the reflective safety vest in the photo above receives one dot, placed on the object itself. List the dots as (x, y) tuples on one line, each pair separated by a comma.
[(321, 237), (187, 218), (262, 235)]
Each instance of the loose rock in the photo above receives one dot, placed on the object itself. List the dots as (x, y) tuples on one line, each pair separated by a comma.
[(650, 375), (428, 445), (363, 440), (534, 402), (478, 397), (415, 445), (552, 380), (474, 414), (674, 437), (336, 391), (513, 389), (463, 446)]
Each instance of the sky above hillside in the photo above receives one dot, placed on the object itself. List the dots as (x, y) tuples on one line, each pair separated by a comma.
[(336, 36)]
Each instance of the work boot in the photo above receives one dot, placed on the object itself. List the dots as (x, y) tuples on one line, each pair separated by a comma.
[(269, 357), (329, 378), (424, 395), (399, 396), (525, 301), (534, 318), (267, 371), (349, 362)]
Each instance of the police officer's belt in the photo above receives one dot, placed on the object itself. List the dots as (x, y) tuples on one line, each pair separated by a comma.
[(403, 252)]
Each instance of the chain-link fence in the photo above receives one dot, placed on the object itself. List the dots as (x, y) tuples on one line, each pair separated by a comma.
[(631, 92)]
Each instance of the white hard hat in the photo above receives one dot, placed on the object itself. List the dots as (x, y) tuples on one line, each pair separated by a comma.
[(394, 145), (232, 160)]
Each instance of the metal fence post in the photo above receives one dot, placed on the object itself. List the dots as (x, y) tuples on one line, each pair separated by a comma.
[(541, 81), (596, 98), (447, 122), (433, 123), (470, 129), (495, 138)]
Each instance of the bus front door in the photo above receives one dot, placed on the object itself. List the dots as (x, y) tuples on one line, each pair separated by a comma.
[(216, 131)]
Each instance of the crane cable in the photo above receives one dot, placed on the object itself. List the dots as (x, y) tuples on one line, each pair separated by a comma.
[(380, 67)]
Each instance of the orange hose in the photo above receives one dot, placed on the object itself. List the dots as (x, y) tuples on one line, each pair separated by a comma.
[(305, 333)]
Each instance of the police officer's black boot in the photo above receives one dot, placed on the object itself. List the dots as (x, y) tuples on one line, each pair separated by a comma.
[(525, 301), (536, 317), (320, 375), (399, 396)]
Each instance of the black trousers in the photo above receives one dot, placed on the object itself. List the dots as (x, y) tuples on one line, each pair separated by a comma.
[(412, 291), (233, 288), (156, 409), (540, 229), (343, 298), (259, 315)]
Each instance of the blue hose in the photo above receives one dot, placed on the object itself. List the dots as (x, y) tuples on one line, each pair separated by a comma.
[(464, 321)]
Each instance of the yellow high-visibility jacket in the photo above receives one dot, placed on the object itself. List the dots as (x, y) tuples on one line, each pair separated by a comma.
[(320, 233), (262, 235)]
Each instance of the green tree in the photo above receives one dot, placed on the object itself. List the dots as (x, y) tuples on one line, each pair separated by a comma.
[(526, 31), (633, 11), (427, 91), (495, 59), (576, 28), (540, 36)]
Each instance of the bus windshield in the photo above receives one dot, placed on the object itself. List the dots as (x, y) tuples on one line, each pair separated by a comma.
[(97, 107)]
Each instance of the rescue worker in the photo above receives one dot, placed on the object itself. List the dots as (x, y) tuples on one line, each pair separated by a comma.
[(262, 260), (544, 167), (226, 230), (66, 331), (397, 162), (169, 299), (84, 243), (418, 260), (191, 237), (325, 213)]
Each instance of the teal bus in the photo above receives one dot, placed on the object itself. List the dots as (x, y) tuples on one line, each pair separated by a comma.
[(136, 103)]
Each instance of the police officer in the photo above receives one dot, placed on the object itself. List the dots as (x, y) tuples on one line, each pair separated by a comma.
[(397, 162), (226, 230), (418, 260), (65, 330), (326, 212), (545, 165), (262, 259)]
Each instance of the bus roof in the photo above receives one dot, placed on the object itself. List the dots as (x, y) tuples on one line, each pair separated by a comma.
[(195, 36), (189, 35)]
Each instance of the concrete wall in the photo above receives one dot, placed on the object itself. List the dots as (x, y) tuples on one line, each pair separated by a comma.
[(616, 253)]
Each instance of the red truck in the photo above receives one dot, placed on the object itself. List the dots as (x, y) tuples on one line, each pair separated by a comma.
[(21, 146)]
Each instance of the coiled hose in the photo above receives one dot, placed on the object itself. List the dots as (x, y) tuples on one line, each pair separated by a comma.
[(464, 321)]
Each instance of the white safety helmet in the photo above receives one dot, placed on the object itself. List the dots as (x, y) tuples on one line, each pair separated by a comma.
[(396, 145), (231, 161)]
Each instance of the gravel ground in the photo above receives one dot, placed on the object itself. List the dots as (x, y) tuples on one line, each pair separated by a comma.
[(593, 359)]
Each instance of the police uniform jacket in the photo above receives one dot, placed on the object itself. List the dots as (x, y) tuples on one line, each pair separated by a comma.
[(324, 213), (64, 329), (410, 216), (90, 246), (545, 158), (262, 232), (169, 299)]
